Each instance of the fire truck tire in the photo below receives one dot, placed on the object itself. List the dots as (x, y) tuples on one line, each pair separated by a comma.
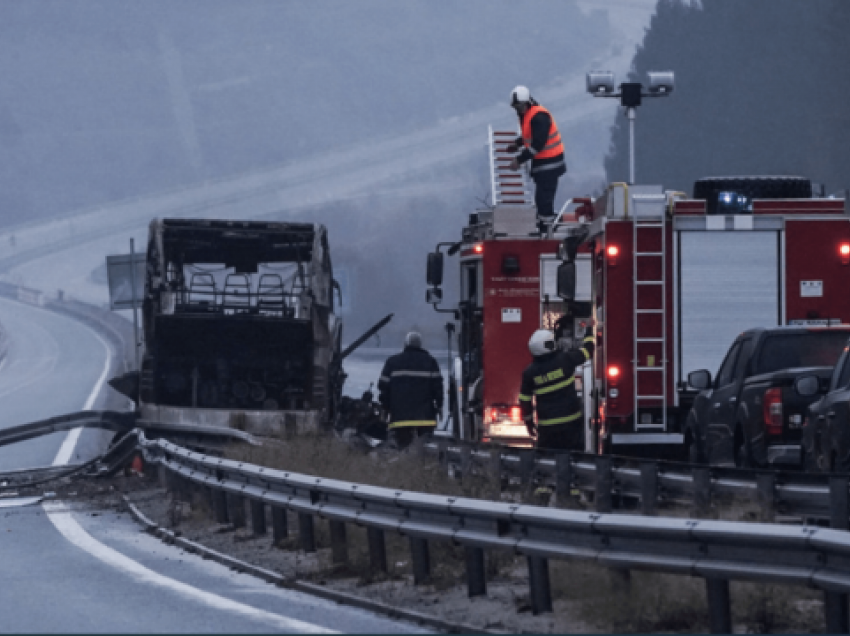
[(752, 188)]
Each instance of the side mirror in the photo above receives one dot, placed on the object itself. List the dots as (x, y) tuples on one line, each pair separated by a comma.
[(434, 296), (567, 280), (700, 379), (807, 385), (435, 269)]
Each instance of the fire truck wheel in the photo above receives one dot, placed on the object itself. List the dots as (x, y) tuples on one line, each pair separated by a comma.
[(752, 188)]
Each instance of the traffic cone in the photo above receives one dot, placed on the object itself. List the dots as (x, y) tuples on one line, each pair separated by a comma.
[(137, 465)]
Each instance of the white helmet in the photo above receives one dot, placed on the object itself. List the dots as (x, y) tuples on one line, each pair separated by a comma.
[(542, 342), (520, 94), (413, 339)]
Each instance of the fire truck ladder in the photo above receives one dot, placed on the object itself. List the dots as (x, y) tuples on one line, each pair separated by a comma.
[(508, 186), (647, 367)]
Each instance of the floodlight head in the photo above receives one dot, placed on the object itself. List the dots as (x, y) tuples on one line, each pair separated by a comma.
[(600, 82), (660, 82)]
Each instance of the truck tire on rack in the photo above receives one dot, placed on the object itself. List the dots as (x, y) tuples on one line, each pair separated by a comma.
[(752, 188)]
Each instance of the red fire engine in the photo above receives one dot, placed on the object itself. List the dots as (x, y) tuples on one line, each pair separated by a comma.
[(675, 280), (508, 290)]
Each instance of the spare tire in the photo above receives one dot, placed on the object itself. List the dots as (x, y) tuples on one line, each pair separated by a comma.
[(751, 188)]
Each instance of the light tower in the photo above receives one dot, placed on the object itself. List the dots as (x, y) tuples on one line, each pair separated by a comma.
[(601, 84)]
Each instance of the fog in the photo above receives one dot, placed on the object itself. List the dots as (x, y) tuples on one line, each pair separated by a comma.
[(104, 101)]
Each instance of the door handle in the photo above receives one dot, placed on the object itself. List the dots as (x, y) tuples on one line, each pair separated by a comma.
[(831, 414), (733, 399), (716, 405)]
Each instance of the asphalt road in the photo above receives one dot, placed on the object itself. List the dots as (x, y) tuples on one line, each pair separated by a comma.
[(68, 568)]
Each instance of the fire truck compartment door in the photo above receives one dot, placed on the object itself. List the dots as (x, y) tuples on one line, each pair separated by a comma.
[(729, 283)]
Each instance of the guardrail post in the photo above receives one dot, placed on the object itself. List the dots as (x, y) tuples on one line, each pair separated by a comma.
[(563, 478), (719, 609), (306, 536), (604, 484), (339, 545), (648, 488), (377, 549), (701, 478), (538, 582), (258, 517), (236, 510), (766, 493), (279, 526), (494, 469), (465, 461), (162, 476), (835, 603), (526, 469), (443, 452), (219, 500), (421, 560), (476, 579)]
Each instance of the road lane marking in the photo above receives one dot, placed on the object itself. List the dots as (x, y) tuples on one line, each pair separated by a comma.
[(61, 517), (63, 456)]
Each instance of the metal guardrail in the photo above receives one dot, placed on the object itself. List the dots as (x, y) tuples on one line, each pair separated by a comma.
[(718, 551), (809, 496)]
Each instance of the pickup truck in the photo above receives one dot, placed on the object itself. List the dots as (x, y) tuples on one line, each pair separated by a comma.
[(750, 414), (826, 428)]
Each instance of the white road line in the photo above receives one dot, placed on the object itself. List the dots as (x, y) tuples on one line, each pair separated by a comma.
[(70, 442), (61, 517)]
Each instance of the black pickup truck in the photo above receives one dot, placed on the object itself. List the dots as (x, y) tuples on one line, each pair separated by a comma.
[(750, 414)]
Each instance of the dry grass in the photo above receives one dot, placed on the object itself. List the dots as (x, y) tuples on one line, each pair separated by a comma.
[(638, 603)]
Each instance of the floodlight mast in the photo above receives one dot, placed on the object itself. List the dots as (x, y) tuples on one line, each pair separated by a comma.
[(601, 84)]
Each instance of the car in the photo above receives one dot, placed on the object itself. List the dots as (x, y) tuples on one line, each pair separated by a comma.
[(826, 429), (750, 415)]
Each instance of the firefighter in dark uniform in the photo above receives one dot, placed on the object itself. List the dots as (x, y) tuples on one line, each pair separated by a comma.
[(548, 384), (411, 391), (541, 144)]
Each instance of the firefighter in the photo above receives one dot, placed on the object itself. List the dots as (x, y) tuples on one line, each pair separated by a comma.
[(541, 143), (548, 384), (411, 391)]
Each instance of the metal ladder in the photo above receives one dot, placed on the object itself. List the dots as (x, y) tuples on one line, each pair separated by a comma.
[(647, 227), (507, 186)]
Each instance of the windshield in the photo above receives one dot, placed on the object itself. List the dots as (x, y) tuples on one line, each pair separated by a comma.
[(812, 349)]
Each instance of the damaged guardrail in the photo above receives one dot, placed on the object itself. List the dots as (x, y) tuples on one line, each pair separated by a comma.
[(658, 482), (717, 551)]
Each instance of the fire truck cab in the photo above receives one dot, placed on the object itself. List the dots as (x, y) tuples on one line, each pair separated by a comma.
[(674, 280)]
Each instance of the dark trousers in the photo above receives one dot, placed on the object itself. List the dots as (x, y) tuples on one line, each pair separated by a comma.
[(403, 437), (568, 436), (546, 185)]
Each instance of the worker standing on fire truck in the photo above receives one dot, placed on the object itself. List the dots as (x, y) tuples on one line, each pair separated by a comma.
[(541, 143), (548, 384), (411, 391)]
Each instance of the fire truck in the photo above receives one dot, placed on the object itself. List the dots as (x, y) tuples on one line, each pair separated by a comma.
[(675, 279), (508, 289), (668, 280)]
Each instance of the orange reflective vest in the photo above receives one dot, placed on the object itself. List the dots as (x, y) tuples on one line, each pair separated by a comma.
[(553, 146)]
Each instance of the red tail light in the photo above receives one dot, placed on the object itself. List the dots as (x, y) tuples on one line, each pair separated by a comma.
[(772, 411), (844, 252), (516, 414), (613, 252), (613, 372)]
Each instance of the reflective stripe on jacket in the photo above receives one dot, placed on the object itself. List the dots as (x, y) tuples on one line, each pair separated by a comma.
[(411, 388), (549, 156), (549, 384)]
